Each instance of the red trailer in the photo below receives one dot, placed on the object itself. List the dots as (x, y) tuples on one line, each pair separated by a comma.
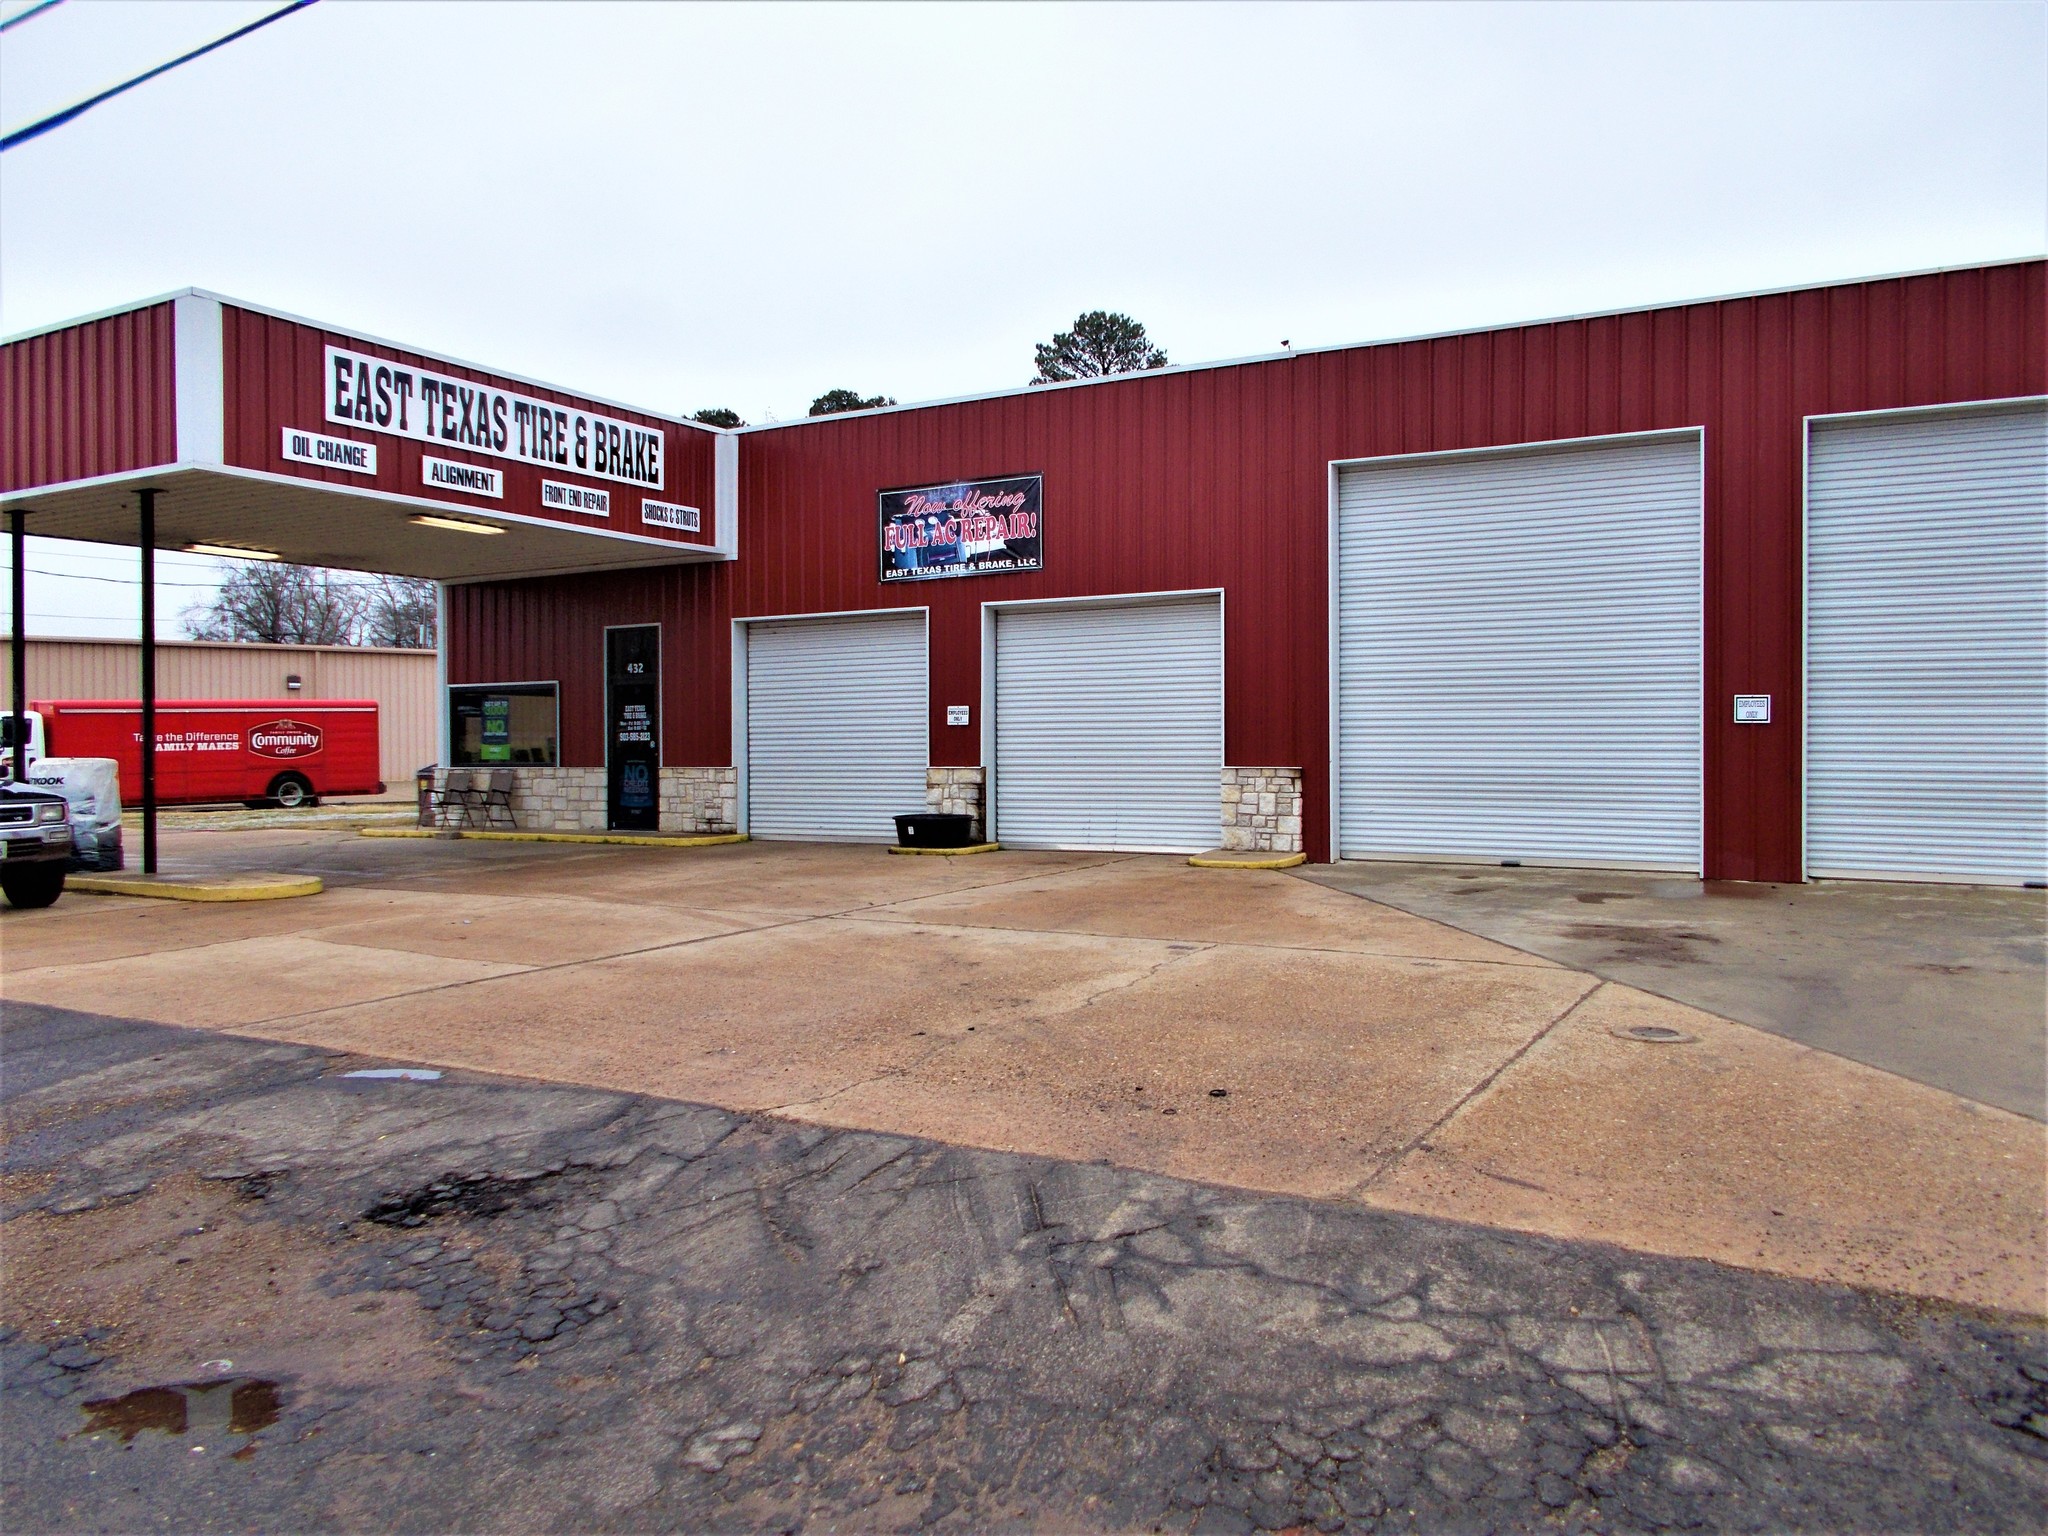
[(287, 751)]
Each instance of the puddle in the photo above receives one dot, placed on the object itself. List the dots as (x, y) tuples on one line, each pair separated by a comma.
[(1652, 1034), (397, 1074), (199, 1407), (1595, 898), (1632, 941)]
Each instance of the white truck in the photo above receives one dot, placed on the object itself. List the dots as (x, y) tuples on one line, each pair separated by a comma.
[(35, 844)]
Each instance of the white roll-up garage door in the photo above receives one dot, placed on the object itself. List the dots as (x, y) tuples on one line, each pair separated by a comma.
[(836, 726), (1927, 645), (1109, 725), (1519, 655)]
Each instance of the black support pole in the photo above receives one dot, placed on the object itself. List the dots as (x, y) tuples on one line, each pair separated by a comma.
[(18, 731), (149, 682)]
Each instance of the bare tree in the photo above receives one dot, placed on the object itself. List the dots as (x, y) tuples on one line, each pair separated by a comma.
[(279, 604), (398, 611), (307, 605)]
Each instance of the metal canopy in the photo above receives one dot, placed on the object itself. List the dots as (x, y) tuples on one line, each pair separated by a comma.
[(319, 523)]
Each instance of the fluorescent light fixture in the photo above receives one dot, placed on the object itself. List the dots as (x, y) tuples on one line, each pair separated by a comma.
[(460, 525), (231, 551)]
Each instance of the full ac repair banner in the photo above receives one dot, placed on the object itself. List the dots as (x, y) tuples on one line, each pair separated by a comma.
[(365, 391), (968, 528)]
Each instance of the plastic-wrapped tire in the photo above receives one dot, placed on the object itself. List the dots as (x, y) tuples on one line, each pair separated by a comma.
[(32, 885)]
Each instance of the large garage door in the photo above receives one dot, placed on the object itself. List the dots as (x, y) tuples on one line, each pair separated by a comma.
[(836, 735), (1519, 655), (1109, 726), (1927, 645)]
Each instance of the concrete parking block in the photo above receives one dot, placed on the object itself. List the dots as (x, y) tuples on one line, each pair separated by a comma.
[(244, 885)]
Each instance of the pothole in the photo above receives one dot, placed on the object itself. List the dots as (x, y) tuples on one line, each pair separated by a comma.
[(480, 1194)]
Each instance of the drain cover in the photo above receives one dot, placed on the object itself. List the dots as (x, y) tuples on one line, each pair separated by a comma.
[(1653, 1034)]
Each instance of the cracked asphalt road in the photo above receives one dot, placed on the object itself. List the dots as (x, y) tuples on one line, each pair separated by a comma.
[(495, 1304)]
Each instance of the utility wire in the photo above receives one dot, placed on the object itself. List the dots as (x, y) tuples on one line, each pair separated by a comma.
[(115, 581), (58, 119), (35, 10)]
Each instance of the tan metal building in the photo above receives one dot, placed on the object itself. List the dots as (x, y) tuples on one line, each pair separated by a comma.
[(402, 683)]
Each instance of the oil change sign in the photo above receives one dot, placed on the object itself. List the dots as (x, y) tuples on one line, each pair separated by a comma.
[(365, 391), (968, 528)]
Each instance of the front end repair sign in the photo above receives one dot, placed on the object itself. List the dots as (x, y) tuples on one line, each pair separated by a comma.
[(967, 528)]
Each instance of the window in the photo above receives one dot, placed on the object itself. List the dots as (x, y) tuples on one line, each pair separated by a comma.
[(499, 723)]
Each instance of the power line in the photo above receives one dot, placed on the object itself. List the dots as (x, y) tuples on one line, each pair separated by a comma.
[(117, 581), (35, 10), (58, 119), (44, 543)]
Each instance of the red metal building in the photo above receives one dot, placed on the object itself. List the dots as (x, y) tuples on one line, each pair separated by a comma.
[(1323, 508)]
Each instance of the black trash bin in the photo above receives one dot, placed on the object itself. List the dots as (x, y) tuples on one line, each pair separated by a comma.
[(423, 781), (932, 830)]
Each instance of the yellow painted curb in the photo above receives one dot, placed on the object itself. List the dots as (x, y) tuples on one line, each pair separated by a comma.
[(949, 853), (628, 839), (1278, 861), (232, 888)]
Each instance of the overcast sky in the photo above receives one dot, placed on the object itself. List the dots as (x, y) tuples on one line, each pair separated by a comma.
[(680, 206)]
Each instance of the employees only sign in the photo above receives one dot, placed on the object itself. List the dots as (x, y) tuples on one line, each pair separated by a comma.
[(967, 528), (366, 391)]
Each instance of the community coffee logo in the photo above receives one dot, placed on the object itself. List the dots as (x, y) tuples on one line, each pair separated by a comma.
[(284, 739)]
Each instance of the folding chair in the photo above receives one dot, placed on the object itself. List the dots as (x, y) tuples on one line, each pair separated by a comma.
[(457, 804), (497, 796)]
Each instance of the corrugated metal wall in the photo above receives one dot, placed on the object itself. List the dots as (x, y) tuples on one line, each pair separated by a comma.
[(402, 683), (91, 399), (276, 377), (1220, 477)]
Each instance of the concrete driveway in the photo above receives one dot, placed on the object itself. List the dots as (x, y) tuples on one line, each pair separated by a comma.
[(1243, 1029), (1945, 984), (244, 1290)]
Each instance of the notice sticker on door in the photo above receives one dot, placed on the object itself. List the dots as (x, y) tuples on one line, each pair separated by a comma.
[(1752, 709), (956, 714)]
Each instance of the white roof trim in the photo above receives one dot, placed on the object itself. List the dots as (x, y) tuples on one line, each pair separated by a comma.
[(1030, 389), (1397, 341), (362, 336)]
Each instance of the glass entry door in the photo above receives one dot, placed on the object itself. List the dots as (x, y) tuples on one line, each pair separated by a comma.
[(632, 711)]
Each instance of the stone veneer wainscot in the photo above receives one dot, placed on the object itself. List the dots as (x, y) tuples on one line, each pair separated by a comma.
[(704, 801), (1262, 810), (956, 792)]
